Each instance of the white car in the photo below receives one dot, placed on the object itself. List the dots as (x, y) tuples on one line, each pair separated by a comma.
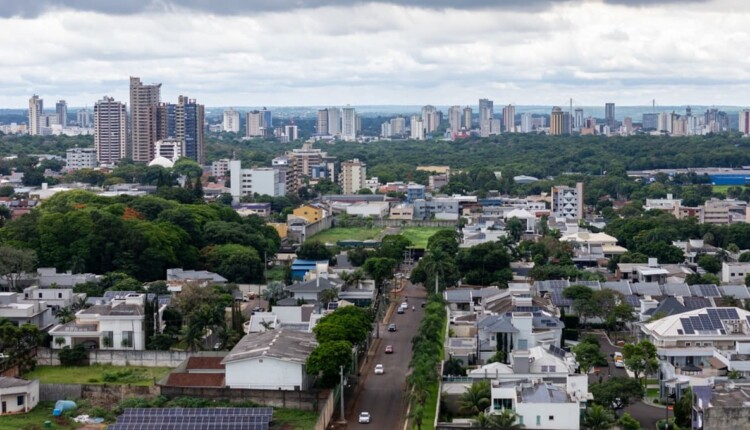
[(364, 418), (618, 359), (379, 369)]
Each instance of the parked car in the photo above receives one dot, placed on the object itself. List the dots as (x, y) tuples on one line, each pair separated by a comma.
[(391, 327), (379, 369), (364, 418), (389, 349), (619, 360), (400, 310)]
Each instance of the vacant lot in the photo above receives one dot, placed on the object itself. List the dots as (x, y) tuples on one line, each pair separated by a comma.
[(334, 235), (35, 419), (98, 374), (420, 235)]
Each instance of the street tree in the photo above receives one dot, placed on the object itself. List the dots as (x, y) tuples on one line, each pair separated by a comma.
[(617, 393), (325, 360), (640, 358), (598, 418), (588, 355), (16, 263)]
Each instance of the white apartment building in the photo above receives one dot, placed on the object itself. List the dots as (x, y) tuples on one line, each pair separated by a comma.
[(430, 119), (171, 149), (527, 123), (417, 127), (219, 168), (231, 121), (110, 130), (353, 176), (260, 180), (36, 109), (567, 202), (348, 123), (291, 132), (116, 326), (80, 158)]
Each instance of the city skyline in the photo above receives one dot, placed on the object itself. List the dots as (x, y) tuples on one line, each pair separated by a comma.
[(535, 53)]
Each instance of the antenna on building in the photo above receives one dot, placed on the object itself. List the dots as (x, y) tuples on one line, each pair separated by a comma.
[(653, 105)]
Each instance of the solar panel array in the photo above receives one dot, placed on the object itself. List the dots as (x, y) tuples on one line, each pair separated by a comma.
[(194, 419), (542, 286), (736, 291), (708, 322), (705, 290), (559, 352), (556, 295)]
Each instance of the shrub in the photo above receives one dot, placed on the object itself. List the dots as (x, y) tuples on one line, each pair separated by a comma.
[(75, 356)]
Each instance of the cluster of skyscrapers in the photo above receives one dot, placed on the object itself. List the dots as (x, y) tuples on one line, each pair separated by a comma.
[(342, 123), (150, 125)]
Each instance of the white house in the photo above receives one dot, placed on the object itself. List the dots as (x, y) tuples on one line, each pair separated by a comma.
[(13, 307), (734, 273), (517, 331), (116, 326), (274, 360), (18, 395), (54, 298)]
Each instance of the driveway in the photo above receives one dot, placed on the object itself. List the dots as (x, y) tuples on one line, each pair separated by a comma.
[(383, 396)]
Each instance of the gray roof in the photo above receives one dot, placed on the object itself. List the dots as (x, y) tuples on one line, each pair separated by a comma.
[(289, 301), (669, 306), (496, 324), (6, 382), (542, 286), (547, 322), (543, 393), (458, 295), (736, 291), (679, 289), (118, 310), (314, 286), (619, 286), (293, 346), (189, 275), (647, 288)]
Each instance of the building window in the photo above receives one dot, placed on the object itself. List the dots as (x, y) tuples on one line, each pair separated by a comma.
[(59, 295), (520, 420), (523, 344), (20, 400), (40, 295), (551, 418), (127, 339), (538, 420)]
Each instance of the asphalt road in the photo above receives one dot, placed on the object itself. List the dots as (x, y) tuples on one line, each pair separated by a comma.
[(647, 415), (383, 396)]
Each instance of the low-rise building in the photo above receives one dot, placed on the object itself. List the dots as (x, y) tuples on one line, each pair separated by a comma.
[(309, 213), (734, 273), (274, 360), (54, 298), (80, 158), (18, 395), (517, 331), (18, 311), (117, 325), (369, 209), (721, 407), (402, 211)]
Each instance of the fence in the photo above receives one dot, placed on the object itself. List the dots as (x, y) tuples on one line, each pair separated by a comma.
[(100, 395), (413, 223), (326, 412), (304, 400), (48, 357)]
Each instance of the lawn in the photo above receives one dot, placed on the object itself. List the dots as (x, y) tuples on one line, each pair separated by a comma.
[(98, 374), (722, 188), (333, 235), (294, 419), (35, 419), (420, 235)]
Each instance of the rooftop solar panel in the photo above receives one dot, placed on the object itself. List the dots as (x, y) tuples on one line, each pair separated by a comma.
[(693, 303), (594, 285), (557, 351), (687, 326), (705, 290), (736, 291)]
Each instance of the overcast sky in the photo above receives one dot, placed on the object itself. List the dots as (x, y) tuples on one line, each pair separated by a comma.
[(335, 52)]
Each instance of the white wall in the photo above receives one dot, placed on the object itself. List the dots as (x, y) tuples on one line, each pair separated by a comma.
[(266, 373), (118, 326), (565, 416), (30, 394)]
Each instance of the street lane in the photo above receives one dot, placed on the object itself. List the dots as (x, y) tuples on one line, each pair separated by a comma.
[(383, 396)]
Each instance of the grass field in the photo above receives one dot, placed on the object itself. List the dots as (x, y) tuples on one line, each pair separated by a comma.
[(420, 235), (98, 374), (35, 419), (721, 188), (334, 235)]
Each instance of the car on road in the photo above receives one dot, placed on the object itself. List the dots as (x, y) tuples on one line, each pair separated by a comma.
[(400, 310), (379, 369), (391, 327), (389, 349), (619, 360), (364, 418)]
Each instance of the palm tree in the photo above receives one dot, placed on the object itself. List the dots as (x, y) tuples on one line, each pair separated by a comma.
[(598, 418), (438, 264), (476, 398), (65, 315), (328, 295), (505, 420)]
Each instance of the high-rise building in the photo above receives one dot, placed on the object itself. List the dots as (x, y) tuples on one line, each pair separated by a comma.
[(665, 123), (84, 118), (430, 118), (486, 112), (254, 123), (567, 202), (745, 121), (454, 119), (398, 126), (190, 129), (527, 122), (509, 119), (291, 132), (716, 121), (334, 121), (36, 108), (144, 104), (609, 115), (417, 127), (650, 121), (110, 130), (353, 176), (61, 109), (557, 122), (467, 118), (386, 129), (80, 158), (578, 120), (321, 125), (348, 123), (231, 122), (301, 162)]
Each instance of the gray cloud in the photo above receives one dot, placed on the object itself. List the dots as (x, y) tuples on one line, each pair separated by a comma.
[(33, 8)]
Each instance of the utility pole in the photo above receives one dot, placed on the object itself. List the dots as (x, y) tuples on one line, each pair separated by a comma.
[(341, 371), (436, 284)]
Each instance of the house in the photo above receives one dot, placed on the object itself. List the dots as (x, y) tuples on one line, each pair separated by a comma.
[(200, 370), (260, 209), (300, 268), (601, 245), (542, 404), (178, 278), (701, 342), (548, 362), (114, 326), (14, 308), (368, 209), (734, 273), (309, 213), (312, 290), (54, 298), (274, 360), (48, 276), (722, 407), (18, 395), (517, 331)]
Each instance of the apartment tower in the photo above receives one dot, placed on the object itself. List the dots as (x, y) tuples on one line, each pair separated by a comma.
[(144, 103), (110, 130), (36, 107)]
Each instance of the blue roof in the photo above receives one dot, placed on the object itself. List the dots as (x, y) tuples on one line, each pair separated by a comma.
[(299, 262)]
